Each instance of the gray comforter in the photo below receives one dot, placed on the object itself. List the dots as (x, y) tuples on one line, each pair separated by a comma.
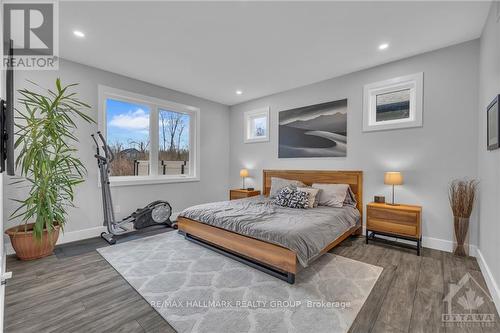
[(304, 231)]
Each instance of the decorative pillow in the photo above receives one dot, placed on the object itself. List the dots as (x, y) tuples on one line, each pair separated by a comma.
[(278, 183), (292, 198), (312, 195), (350, 199), (332, 195)]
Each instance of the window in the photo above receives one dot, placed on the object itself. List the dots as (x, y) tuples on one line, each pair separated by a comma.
[(257, 125), (153, 140), (127, 131), (174, 142)]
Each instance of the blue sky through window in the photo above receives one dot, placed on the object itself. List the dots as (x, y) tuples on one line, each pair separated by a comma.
[(126, 123)]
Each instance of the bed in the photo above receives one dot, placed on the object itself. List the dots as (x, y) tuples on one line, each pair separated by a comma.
[(277, 240)]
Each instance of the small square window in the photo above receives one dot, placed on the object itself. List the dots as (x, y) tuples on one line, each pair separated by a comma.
[(257, 125)]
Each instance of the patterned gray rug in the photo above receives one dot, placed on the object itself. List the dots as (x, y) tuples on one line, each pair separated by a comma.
[(198, 290)]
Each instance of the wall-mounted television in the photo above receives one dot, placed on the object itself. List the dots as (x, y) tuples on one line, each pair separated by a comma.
[(7, 118)]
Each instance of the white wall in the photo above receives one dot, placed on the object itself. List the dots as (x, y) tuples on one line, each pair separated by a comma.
[(489, 161), (214, 149), (429, 157)]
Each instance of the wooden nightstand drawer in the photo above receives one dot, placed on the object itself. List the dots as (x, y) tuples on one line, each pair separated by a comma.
[(396, 215), (237, 195), (400, 221), (393, 228), (240, 194)]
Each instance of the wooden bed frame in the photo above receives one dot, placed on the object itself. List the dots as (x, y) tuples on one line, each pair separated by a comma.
[(270, 258)]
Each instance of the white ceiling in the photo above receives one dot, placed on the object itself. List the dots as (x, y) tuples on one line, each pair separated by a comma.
[(212, 49)]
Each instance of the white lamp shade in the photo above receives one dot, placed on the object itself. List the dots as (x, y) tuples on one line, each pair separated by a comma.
[(393, 178), (243, 173)]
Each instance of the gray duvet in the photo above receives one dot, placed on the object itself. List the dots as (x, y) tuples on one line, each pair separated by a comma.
[(304, 231)]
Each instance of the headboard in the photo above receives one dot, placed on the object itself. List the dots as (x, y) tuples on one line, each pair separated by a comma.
[(353, 178)]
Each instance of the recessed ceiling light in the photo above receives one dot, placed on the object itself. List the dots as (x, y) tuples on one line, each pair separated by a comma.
[(78, 33), (383, 46), (239, 92)]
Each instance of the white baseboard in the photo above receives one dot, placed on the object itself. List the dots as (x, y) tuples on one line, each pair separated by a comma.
[(445, 245), (73, 236), (490, 279), (65, 237)]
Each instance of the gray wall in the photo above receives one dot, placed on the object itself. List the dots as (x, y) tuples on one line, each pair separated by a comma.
[(429, 157), (489, 161), (214, 148)]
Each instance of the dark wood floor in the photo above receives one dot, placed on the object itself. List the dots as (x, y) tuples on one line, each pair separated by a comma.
[(76, 290)]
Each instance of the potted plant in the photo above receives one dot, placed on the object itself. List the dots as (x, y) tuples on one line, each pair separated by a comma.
[(462, 195), (49, 166)]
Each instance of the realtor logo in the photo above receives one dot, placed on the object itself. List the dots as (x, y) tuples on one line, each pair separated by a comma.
[(33, 29), (465, 304)]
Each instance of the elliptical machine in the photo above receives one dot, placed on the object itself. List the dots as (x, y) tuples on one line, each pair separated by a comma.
[(156, 213)]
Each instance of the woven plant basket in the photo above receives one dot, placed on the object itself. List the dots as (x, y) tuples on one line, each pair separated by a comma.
[(29, 248)]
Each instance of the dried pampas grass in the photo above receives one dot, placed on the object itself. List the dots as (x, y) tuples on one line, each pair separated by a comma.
[(462, 194)]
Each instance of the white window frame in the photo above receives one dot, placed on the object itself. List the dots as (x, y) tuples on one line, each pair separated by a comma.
[(248, 116), (414, 82), (154, 104)]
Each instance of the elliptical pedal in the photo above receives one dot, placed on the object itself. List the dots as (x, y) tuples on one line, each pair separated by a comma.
[(108, 238)]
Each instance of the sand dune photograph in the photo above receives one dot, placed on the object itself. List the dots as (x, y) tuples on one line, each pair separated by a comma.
[(318, 130)]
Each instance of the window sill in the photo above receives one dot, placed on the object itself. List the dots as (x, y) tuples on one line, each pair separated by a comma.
[(137, 180)]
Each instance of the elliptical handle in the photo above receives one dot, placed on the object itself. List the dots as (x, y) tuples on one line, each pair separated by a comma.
[(107, 150), (96, 144)]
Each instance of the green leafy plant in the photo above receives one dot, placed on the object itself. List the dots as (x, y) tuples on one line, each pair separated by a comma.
[(47, 157)]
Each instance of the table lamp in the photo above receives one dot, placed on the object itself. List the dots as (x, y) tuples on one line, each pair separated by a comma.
[(243, 175), (393, 178)]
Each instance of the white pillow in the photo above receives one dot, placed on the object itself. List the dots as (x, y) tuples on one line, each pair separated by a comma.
[(312, 194), (278, 183), (332, 195)]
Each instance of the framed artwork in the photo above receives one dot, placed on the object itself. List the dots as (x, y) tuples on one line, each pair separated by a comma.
[(256, 125), (318, 130), (493, 124), (393, 104)]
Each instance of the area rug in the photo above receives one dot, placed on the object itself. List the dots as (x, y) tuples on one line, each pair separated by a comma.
[(198, 290)]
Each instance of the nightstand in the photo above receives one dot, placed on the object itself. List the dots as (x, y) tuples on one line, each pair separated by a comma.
[(240, 194), (400, 221)]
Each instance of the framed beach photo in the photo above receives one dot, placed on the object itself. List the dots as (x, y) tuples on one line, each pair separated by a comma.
[(393, 104), (256, 125), (493, 124)]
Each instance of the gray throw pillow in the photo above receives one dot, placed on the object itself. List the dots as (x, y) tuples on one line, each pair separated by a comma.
[(332, 195), (278, 183)]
